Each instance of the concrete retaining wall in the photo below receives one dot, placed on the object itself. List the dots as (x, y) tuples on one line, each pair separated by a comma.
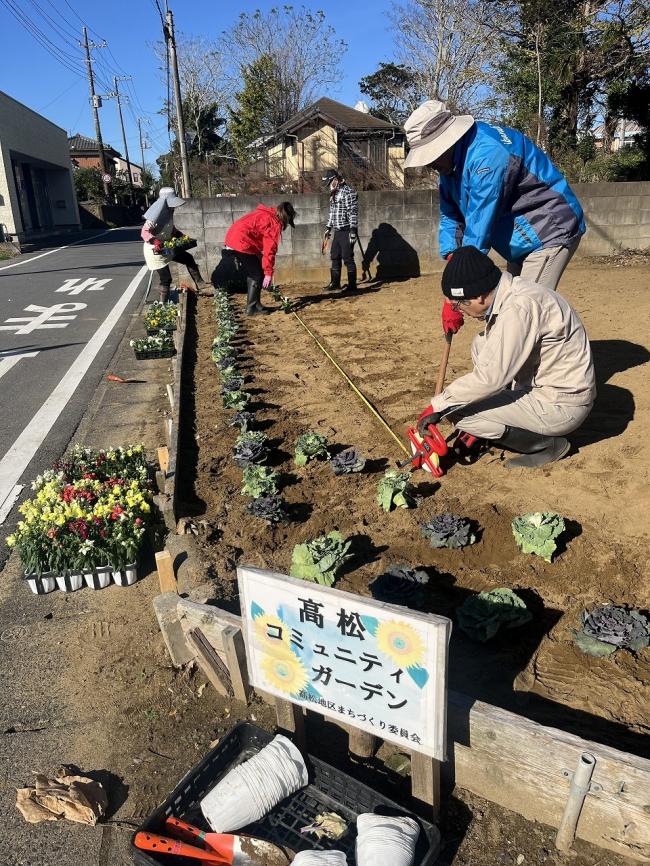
[(399, 228)]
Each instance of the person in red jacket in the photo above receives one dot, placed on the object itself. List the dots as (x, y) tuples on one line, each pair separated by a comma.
[(251, 244)]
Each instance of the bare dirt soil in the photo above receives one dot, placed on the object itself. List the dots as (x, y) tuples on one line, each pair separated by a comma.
[(388, 339)]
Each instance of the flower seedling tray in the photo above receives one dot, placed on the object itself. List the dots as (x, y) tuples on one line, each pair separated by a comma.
[(329, 790), (178, 247), (148, 356), (169, 329)]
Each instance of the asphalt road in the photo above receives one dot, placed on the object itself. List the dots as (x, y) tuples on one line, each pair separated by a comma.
[(63, 312)]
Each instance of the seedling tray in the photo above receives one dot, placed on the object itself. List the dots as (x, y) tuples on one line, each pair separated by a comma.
[(180, 247), (147, 356), (168, 329), (329, 790)]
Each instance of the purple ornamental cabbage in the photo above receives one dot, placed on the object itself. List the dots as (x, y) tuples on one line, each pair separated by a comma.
[(610, 627), (243, 420), (250, 448), (400, 584), (235, 383), (270, 508), (350, 460), (448, 530)]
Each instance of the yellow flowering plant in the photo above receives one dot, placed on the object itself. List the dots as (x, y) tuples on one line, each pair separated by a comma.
[(161, 317)]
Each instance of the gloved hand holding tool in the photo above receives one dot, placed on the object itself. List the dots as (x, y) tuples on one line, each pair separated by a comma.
[(452, 320), (157, 245), (353, 236), (327, 234)]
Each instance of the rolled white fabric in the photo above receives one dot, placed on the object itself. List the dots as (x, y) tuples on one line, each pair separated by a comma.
[(320, 858), (386, 839)]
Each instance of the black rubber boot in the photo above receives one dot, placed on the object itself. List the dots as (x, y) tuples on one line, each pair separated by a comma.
[(352, 279), (253, 306), (200, 284), (334, 284), (535, 448)]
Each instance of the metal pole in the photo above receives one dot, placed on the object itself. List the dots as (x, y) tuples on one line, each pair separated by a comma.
[(126, 147), (171, 47), (93, 102), (579, 789), (146, 194)]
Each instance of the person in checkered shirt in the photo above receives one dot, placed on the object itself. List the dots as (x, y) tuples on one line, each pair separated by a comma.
[(341, 228)]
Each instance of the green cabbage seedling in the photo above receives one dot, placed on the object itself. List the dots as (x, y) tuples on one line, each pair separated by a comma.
[(320, 560), (394, 491), (481, 616), (537, 532), (309, 446), (259, 481), (235, 400)]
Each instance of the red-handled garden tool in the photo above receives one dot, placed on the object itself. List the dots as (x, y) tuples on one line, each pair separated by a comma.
[(163, 845)]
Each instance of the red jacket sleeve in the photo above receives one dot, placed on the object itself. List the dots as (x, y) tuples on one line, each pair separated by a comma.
[(271, 231)]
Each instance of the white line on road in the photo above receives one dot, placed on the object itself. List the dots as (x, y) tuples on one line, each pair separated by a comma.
[(9, 361), (58, 249), (9, 502), (19, 455)]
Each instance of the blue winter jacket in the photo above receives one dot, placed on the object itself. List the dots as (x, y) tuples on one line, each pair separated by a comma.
[(505, 193)]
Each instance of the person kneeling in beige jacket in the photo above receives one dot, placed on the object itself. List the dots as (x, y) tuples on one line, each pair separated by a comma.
[(533, 379)]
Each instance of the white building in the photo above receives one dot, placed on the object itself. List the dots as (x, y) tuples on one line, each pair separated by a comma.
[(37, 194), (121, 170)]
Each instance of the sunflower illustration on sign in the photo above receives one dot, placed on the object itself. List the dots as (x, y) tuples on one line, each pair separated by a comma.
[(273, 635), (285, 673), (400, 642)]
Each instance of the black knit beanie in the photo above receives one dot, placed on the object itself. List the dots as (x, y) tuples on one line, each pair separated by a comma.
[(468, 274)]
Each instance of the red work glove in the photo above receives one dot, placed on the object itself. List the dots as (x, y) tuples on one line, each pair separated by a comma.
[(157, 245), (266, 282), (452, 320)]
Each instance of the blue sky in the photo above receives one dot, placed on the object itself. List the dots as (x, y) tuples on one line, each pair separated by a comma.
[(29, 74)]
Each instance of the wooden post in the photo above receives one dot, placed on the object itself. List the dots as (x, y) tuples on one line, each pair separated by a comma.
[(170, 395), (425, 781), (235, 652), (168, 428), (163, 458), (210, 663), (290, 718), (166, 574), (362, 744)]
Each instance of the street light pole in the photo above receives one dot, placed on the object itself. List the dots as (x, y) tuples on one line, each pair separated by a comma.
[(171, 47), (146, 194), (126, 147), (94, 101)]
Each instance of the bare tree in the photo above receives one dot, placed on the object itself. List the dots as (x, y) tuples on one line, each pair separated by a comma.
[(445, 45), (305, 49)]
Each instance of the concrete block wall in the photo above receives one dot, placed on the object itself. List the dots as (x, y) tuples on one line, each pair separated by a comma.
[(399, 228)]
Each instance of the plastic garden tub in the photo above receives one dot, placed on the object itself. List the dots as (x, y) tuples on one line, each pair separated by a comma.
[(329, 790), (148, 356)]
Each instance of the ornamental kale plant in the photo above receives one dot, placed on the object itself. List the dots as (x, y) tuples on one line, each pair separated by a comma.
[(394, 491), (235, 383), (309, 446), (448, 530), (610, 627), (537, 533), (259, 481), (400, 584), (482, 615), (250, 448), (348, 461), (269, 508), (220, 353), (243, 420), (236, 400), (320, 560)]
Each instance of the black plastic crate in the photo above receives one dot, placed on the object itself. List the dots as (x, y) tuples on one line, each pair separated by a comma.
[(154, 356), (329, 790)]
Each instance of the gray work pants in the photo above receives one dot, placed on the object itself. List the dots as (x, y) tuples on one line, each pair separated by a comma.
[(520, 408), (544, 267)]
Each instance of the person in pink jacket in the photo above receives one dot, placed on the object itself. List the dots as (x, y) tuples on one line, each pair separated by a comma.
[(250, 247)]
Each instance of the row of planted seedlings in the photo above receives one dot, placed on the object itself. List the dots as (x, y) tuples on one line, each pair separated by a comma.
[(160, 322), (86, 521), (602, 630)]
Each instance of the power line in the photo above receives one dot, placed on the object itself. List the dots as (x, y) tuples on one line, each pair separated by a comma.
[(60, 32), (25, 21)]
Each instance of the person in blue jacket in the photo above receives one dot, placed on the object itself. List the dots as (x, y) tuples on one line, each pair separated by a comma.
[(498, 191)]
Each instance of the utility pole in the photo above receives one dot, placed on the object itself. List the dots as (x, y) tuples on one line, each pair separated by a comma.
[(173, 60), (126, 147), (146, 194), (95, 101)]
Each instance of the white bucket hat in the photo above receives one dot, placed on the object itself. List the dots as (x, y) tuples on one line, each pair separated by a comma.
[(169, 194), (431, 130)]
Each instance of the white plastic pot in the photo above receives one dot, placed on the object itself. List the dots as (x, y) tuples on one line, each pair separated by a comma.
[(70, 582), (250, 790), (320, 858), (99, 578), (126, 576), (41, 585), (386, 839)]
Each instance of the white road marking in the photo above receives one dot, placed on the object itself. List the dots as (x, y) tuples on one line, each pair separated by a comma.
[(76, 286), (45, 318), (19, 455), (9, 502), (11, 358), (58, 249)]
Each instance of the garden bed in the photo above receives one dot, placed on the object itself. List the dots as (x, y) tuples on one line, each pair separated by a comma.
[(379, 339)]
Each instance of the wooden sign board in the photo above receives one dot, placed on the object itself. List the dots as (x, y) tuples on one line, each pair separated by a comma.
[(378, 667)]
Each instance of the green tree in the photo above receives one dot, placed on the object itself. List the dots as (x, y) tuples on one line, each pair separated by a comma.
[(393, 90), (88, 184), (253, 116)]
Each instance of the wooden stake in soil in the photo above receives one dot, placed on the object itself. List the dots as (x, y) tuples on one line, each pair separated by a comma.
[(425, 781), (163, 458), (362, 744), (210, 663), (290, 718), (166, 574)]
